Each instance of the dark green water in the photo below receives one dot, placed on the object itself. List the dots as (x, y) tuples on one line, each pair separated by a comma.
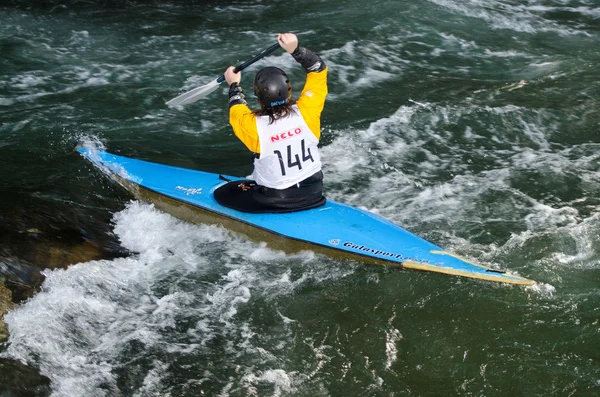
[(473, 124)]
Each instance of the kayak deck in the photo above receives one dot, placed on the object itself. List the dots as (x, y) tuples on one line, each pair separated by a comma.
[(334, 229)]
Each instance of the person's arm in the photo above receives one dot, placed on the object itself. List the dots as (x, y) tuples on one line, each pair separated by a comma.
[(241, 118), (309, 60), (312, 99)]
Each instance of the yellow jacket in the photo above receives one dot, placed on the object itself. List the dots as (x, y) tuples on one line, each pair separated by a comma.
[(310, 103)]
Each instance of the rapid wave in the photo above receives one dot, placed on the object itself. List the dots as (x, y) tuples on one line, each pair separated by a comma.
[(517, 17), (188, 288)]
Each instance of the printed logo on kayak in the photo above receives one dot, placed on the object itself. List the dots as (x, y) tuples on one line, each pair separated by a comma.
[(334, 241), (188, 190), (371, 250)]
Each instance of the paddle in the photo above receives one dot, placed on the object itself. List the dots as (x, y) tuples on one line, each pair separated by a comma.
[(202, 91)]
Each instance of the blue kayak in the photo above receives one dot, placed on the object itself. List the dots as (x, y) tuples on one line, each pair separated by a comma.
[(333, 229)]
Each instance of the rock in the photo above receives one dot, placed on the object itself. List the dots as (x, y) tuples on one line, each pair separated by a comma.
[(22, 279), (6, 305), (17, 380)]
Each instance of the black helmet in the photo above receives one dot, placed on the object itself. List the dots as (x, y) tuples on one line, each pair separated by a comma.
[(272, 87)]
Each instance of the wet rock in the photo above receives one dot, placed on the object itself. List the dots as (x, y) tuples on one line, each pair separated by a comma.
[(41, 232), (18, 380), (53, 248), (6, 305), (35, 235), (22, 279)]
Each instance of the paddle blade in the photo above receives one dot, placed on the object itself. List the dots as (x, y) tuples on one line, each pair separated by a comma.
[(195, 94)]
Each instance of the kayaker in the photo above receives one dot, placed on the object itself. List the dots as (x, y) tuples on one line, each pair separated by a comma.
[(283, 135)]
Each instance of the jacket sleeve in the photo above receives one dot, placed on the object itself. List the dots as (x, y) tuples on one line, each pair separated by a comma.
[(242, 119), (243, 122), (309, 60), (312, 100)]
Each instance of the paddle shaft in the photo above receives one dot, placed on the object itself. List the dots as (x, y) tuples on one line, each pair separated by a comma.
[(201, 92), (249, 62)]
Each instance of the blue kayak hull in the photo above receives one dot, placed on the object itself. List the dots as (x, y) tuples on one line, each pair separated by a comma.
[(334, 229)]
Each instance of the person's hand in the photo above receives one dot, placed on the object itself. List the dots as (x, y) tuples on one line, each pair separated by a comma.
[(232, 77), (287, 41)]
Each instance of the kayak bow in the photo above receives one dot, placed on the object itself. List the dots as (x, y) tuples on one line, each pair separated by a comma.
[(334, 229)]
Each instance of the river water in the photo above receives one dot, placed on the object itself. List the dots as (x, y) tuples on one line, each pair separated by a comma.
[(474, 124)]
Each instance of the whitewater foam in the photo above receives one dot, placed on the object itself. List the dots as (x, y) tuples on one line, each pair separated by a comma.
[(187, 283)]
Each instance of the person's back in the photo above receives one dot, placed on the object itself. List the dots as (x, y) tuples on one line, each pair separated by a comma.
[(283, 134)]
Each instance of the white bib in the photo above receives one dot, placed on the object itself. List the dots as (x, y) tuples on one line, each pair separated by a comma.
[(288, 152)]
